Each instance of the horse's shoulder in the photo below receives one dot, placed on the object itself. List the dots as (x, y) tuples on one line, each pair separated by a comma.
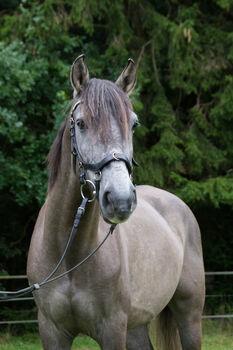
[(171, 208), (160, 198)]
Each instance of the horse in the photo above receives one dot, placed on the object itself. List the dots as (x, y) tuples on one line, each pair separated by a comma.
[(151, 266)]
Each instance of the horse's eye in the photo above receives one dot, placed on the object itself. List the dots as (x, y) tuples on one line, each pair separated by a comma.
[(136, 123), (80, 123)]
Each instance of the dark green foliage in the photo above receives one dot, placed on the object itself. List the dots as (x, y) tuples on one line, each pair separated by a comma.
[(184, 99)]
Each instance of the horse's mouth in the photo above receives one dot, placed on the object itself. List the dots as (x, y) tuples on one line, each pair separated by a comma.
[(116, 218)]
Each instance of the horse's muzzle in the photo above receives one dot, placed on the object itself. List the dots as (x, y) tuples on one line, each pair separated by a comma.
[(117, 206)]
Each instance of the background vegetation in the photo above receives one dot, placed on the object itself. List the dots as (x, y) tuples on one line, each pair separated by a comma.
[(184, 99)]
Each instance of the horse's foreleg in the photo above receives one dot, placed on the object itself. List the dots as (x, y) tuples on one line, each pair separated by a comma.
[(51, 337), (112, 335), (138, 339)]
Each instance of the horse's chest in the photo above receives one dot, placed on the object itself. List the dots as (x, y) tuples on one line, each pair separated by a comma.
[(73, 311), (80, 304)]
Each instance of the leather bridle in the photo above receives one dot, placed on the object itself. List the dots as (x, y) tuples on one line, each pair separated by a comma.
[(94, 167)]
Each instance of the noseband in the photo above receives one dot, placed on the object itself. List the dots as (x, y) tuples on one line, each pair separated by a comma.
[(94, 167)]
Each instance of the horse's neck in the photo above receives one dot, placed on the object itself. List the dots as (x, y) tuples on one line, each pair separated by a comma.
[(62, 203)]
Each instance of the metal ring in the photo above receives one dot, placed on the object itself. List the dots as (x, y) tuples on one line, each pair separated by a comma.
[(93, 191), (113, 154)]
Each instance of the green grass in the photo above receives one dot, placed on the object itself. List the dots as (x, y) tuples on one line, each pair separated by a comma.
[(216, 336), (31, 341)]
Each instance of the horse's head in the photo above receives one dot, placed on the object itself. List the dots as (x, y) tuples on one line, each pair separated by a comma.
[(104, 121)]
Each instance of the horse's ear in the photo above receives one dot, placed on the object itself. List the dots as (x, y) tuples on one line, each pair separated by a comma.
[(128, 77), (79, 75)]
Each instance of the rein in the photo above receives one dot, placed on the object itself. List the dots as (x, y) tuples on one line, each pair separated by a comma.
[(83, 166), (36, 286)]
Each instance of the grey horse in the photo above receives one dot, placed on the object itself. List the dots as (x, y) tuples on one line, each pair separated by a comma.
[(150, 268)]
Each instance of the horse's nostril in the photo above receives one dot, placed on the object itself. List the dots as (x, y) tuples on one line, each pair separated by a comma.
[(107, 198)]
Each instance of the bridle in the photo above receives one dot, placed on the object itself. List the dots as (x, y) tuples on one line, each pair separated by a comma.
[(94, 167), (83, 166)]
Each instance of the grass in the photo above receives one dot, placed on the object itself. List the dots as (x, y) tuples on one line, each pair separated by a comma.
[(216, 336), (31, 341)]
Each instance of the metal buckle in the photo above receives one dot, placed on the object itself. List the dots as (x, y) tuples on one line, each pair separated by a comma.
[(98, 175), (113, 154)]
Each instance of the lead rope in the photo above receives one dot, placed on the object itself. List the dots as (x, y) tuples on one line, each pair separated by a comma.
[(36, 286)]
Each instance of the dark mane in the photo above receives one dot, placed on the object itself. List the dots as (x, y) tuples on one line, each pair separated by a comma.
[(102, 99), (54, 156)]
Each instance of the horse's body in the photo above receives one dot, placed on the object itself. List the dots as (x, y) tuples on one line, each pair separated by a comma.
[(151, 264)]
